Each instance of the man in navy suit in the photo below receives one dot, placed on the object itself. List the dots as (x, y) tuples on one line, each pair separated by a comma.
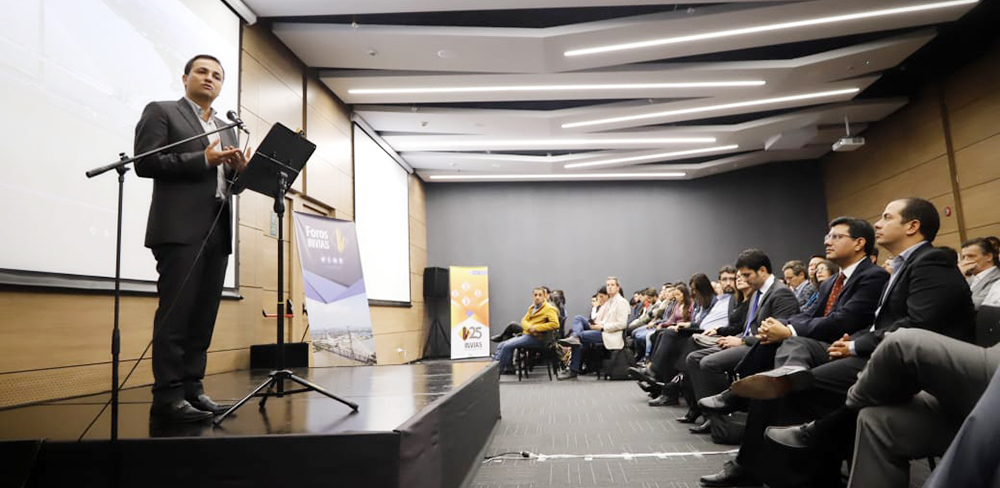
[(189, 232), (847, 304)]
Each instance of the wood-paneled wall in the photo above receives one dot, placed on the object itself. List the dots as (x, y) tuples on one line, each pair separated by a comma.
[(908, 154), (57, 344)]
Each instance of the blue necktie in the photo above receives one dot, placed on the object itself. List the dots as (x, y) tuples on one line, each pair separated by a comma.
[(753, 312)]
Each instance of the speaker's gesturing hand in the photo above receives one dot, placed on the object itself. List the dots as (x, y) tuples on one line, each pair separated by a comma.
[(239, 160), (216, 157)]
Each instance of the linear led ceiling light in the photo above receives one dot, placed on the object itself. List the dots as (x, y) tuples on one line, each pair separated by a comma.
[(770, 27), (713, 108), (521, 143), (577, 87), (652, 156), (561, 176)]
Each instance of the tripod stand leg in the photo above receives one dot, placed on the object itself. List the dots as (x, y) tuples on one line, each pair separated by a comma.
[(266, 384), (319, 389), (263, 399)]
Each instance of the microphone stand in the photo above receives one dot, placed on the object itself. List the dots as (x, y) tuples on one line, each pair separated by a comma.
[(121, 166)]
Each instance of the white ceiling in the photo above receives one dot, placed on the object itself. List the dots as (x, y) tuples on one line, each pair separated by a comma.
[(512, 103)]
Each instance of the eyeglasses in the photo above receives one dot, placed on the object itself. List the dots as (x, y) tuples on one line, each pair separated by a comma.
[(833, 237)]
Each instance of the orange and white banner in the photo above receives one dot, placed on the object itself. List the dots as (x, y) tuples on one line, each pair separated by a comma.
[(470, 311)]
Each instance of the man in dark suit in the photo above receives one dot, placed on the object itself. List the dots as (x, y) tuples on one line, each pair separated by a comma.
[(708, 367), (848, 303), (189, 232), (926, 291)]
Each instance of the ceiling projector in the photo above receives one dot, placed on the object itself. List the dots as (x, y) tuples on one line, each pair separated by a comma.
[(845, 144)]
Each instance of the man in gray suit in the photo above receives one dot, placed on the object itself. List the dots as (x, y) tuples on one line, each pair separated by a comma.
[(979, 264), (914, 394), (189, 232)]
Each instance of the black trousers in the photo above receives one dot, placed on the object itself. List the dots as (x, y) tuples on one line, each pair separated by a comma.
[(185, 317), (667, 351)]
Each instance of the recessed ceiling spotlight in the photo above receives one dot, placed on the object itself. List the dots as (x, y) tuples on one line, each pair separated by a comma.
[(560, 176), (830, 19), (632, 159), (712, 108), (544, 88), (402, 145), (447, 54)]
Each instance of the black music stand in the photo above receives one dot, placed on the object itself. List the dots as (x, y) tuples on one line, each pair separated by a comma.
[(271, 171)]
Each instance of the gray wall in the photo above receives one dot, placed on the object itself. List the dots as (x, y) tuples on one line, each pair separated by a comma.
[(572, 235)]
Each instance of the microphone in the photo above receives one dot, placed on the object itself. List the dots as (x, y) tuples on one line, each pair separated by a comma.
[(234, 118)]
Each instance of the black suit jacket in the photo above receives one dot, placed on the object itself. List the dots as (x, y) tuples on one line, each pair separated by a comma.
[(929, 293), (779, 302), (184, 204), (854, 309)]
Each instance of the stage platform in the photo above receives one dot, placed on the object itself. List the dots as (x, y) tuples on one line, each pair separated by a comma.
[(419, 425)]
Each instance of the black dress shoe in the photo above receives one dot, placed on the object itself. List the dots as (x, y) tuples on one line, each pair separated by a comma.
[(704, 428), (204, 403), (795, 436), (641, 374), (690, 417), (178, 411), (775, 383), (724, 402), (664, 400), (732, 474), (653, 389)]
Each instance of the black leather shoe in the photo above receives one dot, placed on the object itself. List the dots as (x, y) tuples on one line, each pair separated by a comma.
[(724, 402), (690, 417), (773, 384), (732, 474), (178, 411), (641, 374), (664, 400), (653, 389), (704, 428), (204, 403), (795, 436)]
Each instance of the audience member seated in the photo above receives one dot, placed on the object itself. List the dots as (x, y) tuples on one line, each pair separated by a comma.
[(973, 457), (709, 311), (540, 318), (739, 306), (813, 299), (796, 279), (655, 313), (708, 368), (908, 403), (925, 291), (605, 329), (825, 270), (979, 264), (558, 299), (680, 312), (849, 303)]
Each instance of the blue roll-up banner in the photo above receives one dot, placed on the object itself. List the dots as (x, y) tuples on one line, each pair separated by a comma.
[(336, 302)]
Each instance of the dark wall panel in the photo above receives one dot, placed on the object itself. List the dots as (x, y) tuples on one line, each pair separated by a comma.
[(572, 235)]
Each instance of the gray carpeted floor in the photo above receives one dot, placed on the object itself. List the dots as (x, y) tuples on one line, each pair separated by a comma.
[(587, 416)]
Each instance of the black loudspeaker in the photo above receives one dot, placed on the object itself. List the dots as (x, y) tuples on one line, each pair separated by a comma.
[(435, 283)]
